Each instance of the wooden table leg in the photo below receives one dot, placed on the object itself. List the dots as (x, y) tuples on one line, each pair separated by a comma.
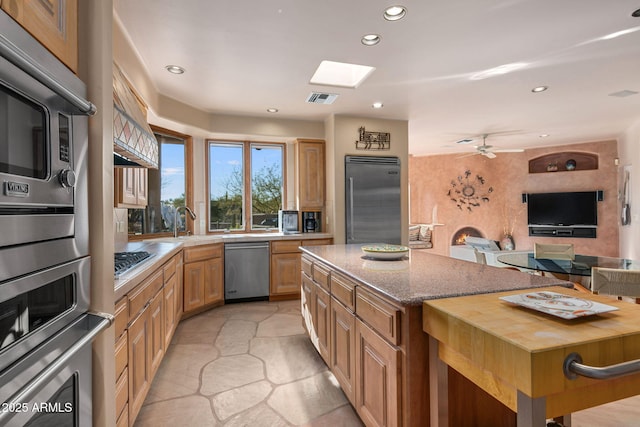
[(438, 387)]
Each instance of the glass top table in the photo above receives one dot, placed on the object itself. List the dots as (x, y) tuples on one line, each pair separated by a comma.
[(581, 266)]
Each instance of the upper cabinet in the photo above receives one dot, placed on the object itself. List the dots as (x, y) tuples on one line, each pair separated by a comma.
[(310, 176), (53, 22), (130, 187)]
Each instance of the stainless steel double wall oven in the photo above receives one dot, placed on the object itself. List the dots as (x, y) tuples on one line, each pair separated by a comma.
[(45, 325)]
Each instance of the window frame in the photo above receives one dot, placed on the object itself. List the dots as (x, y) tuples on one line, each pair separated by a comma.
[(246, 182), (188, 176)]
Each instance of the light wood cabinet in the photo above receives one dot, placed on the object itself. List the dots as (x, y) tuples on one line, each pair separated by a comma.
[(203, 277), (145, 320), (284, 272), (53, 22), (130, 187), (377, 378), (343, 347), (323, 323), (375, 346), (310, 176)]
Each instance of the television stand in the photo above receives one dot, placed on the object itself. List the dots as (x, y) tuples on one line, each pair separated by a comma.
[(562, 231)]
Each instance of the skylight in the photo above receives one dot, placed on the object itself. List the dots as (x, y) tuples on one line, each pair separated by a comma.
[(340, 74)]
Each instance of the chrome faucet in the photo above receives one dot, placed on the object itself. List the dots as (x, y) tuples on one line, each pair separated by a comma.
[(175, 218)]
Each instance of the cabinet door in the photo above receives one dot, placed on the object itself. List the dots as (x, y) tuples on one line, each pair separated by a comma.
[(322, 322), (343, 347), (170, 300), (139, 363), (378, 372), (307, 305), (194, 285), (128, 186), (310, 175), (157, 337), (53, 22), (285, 274), (213, 281), (141, 183)]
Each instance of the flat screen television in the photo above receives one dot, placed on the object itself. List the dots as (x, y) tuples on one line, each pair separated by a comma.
[(579, 208)]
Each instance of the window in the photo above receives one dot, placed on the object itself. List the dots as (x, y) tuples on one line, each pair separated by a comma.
[(246, 185), (168, 188)]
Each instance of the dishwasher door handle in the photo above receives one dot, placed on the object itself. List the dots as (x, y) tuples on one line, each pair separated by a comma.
[(236, 248)]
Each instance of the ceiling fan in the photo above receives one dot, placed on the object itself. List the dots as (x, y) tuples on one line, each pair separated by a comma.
[(488, 150)]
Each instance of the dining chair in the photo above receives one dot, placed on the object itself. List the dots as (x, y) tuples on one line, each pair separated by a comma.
[(562, 251), (480, 256), (615, 281)]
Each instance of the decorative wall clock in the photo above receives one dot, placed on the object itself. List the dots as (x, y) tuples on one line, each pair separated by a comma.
[(468, 191)]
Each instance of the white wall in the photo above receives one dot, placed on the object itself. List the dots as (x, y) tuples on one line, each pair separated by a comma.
[(629, 151)]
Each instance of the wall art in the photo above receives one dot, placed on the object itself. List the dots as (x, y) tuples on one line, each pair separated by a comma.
[(373, 140), (468, 191)]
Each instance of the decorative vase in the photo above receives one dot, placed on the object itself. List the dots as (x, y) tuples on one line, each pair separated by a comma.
[(507, 243)]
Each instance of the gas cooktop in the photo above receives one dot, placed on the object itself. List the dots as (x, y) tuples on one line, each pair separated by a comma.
[(125, 261)]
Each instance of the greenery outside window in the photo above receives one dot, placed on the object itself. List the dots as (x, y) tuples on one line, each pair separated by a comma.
[(246, 185), (169, 188)]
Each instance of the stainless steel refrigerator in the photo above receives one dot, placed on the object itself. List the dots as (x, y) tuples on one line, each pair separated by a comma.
[(372, 204)]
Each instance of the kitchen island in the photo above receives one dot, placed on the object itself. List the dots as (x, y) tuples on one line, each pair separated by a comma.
[(365, 318)]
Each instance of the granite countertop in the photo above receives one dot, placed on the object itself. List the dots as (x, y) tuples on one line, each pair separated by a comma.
[(162, 249), (423, 276), (160, 252)]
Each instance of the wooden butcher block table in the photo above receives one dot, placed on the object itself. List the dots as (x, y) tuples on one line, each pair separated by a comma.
[(517, 354)]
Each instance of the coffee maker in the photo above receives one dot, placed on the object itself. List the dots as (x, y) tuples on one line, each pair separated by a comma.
[(311, 222)]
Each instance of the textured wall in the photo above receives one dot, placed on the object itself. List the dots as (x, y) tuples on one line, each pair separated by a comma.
[(501, 181)]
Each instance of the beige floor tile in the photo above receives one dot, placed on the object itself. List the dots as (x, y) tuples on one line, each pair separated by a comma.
[(239, 399), (198, 330), (302, 401), (227, 373), (344, 416), (234, 337), (180, 371), (192, 411), (259, 416), (281, 325), (287, 359)]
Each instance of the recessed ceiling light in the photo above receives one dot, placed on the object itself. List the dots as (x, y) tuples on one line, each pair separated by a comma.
[(370, 39), (340, 74), (377, 105), (539, 89), (394, 13), (544, 135), (272, 110), (175, 69)]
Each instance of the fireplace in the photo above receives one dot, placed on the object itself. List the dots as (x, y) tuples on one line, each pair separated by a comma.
[(460, 236)]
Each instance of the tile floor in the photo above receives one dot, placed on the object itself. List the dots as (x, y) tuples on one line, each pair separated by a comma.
[(251, 364)]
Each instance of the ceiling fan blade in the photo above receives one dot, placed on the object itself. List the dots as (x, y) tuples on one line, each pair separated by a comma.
[(509, 150), (489, 154), (468, 155)]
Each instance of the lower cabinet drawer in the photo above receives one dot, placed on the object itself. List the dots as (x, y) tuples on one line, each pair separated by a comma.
[(123, 419), (379, 314), (321, 275), (122, 354), (344, 290), (122, 393), (306, 265)]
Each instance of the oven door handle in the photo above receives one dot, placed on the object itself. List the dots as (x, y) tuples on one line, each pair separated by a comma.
[(20, 59), (98, 322)]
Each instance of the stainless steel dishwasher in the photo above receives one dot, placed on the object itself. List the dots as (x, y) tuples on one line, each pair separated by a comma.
[(246, 271)]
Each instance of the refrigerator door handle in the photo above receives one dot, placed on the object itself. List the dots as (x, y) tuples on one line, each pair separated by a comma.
[(351, 237)]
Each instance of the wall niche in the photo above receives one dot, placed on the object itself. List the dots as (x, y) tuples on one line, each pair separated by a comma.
[(563, 162)]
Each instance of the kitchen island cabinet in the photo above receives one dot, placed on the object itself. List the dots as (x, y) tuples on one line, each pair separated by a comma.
[(377, 316)]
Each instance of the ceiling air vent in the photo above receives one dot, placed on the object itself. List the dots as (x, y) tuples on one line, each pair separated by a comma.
[(321, 98)]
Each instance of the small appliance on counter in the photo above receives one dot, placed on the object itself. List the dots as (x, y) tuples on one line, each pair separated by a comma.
[(311, 222), (288, 222)]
